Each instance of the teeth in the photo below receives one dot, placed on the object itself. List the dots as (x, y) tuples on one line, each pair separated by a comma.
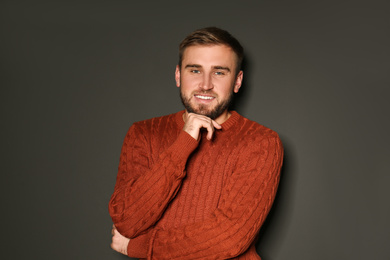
[(204, 97)]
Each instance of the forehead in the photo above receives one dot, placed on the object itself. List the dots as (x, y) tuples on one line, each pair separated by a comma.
[(209, 55)]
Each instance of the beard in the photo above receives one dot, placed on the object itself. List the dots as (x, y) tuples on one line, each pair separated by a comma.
[(205, 110)]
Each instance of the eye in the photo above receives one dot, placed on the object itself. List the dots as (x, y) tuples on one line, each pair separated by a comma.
[(219, 73), (195, 71)]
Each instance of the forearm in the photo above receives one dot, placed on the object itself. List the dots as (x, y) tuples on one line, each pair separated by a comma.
[(142, 194)]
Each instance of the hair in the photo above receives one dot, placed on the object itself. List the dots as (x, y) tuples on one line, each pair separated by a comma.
[(212, 36)]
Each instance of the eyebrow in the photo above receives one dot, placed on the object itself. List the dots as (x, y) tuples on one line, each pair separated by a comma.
[(222, 68), (193, 66), (214, 67)]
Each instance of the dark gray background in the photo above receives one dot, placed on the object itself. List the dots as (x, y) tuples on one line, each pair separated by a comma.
[(76, 75)]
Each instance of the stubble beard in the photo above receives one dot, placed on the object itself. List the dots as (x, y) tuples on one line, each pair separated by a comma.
[(205, 110)]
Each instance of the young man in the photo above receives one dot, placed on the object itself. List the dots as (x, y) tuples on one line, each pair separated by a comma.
[(197, 184)]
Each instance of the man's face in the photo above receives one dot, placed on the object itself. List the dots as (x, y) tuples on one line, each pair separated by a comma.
[(207, 79)]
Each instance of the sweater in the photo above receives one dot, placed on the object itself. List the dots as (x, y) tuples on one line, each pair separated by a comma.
[(179, 198)]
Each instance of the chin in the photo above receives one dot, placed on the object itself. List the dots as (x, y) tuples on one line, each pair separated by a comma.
[(203, 111)]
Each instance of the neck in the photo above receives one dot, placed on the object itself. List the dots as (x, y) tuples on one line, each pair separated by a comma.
[(223, 117)]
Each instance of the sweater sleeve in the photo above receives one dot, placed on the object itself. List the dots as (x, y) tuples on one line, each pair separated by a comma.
[(244, 204), (142, 192)]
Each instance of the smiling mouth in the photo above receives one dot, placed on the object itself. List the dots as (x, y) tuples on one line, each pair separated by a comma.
[(204, 97)]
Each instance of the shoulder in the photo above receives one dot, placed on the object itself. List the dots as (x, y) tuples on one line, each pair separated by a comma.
[(157, 121), (255, 137), (255, 143), (250, 128), (157, 125)]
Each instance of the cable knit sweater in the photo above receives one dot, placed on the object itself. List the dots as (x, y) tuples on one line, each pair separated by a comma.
[(177, 198)]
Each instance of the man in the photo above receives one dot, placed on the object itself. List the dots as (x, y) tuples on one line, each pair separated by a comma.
[(197, 184)]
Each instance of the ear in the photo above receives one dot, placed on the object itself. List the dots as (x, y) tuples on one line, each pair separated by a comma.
[(237, 84), (177, 76)]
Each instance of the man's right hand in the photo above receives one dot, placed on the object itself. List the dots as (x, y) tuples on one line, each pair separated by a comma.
[(194, 122)]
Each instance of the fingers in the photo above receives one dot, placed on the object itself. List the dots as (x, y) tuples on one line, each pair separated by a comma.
[(119, 243), (216, 125), (195, 122), (211, 129)]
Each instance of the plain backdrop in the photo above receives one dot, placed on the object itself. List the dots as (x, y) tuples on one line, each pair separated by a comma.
[(75, 75)]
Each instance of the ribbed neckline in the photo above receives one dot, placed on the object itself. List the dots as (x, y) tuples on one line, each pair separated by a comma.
[(225, 126)]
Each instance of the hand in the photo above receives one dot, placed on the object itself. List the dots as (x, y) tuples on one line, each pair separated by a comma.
[(194, 122), (119, 242)]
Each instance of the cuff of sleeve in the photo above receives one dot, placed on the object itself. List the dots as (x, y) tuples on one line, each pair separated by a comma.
[(184, 145), (138, 247)]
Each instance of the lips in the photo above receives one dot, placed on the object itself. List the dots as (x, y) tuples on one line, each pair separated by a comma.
[(204, 97)]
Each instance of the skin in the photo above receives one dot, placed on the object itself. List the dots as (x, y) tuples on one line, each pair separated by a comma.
[(207, 78), (119, 243)]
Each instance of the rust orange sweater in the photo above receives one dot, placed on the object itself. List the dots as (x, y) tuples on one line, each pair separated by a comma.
[(177, 198)]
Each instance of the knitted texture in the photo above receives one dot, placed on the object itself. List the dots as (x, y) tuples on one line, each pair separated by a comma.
[(177, 198)]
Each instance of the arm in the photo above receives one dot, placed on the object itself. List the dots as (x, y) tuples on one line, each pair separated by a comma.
[(142, 192), (244, 205)]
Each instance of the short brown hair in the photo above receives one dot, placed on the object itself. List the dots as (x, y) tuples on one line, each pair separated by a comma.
[(213, 36)]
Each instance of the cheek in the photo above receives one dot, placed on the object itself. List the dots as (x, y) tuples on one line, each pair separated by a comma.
[(189, 82), (185, 87), (226, 87)]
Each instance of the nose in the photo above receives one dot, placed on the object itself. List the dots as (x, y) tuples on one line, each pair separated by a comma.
[(207, 83)]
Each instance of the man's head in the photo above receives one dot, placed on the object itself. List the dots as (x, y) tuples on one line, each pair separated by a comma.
[(213, 36), (209, 72)]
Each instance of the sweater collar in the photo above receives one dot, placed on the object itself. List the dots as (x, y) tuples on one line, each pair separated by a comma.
[(225, 126)]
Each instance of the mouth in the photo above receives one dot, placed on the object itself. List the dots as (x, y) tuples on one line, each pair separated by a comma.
[(203, 97)]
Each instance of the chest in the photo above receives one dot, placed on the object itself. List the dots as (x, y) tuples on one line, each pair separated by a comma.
[(207, 169)]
